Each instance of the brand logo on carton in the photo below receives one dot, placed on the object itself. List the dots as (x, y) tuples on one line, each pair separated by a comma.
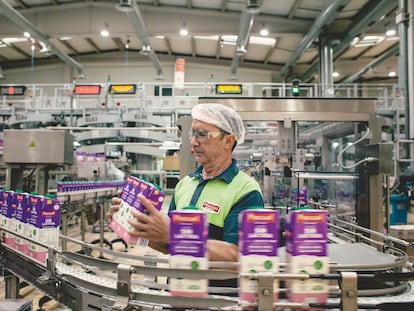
[(48, 213), (144, 186), (186, 218), (210, 207), (319, 217), (253, 217)]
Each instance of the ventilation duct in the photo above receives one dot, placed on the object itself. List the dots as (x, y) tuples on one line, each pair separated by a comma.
[(138, 24), (252, 6), (23, 24), (125, 5)]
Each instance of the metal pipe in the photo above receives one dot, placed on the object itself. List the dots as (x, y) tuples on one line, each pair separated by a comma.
[(245, 26), (391, 52), (21, 22), (368, 16), (137, 22), (325, 18)]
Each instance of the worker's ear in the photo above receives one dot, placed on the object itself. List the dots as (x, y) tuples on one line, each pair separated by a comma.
[(230, 139)]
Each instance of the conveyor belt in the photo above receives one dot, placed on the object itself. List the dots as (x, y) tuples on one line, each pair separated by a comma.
[(87, 283)]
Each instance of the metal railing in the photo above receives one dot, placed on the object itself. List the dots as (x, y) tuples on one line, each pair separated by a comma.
[(156, 96)]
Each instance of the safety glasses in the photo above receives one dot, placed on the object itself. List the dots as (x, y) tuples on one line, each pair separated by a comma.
[(202, 135)]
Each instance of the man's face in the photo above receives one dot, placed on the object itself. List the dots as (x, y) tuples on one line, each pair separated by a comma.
[(207, 142)]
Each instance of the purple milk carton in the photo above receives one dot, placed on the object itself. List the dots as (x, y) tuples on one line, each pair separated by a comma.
[(307, 252), (300, 196), (44, 225), (130, 189), (1, 207), (188, 250), (21, 223), (258, 246), (129, 196), (9, 216)]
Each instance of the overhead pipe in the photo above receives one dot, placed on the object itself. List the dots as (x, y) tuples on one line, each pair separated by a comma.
[(21, 22), (325, 18), (391, 52), (245, 26), (137, 22), (371, 14)]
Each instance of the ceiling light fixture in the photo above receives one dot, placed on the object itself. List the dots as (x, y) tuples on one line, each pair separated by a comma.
[(390, 30), (184, 31), (262, 41), (369, 41), (264, 32), (392, 74), (104, 31)]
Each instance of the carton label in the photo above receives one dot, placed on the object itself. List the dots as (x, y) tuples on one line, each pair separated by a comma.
[(188, 250), (307, 252), (258, 250)]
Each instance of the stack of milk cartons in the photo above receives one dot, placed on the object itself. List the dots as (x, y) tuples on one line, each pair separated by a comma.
[(188, 250), (8, 212), (21, 222), (129, 200), (44, 224), (1, 211), (258, 250), (307, 252)]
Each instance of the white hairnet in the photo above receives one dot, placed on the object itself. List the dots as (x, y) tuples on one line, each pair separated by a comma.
[(225, 118)]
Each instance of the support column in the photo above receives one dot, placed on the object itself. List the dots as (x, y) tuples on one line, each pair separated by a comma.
[(404, 20), (409, 66), (326, 67)]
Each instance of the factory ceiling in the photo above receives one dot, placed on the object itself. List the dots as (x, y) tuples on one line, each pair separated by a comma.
[(220, 32)]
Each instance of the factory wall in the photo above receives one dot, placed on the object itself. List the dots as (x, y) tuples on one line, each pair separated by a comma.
[(97, 72)]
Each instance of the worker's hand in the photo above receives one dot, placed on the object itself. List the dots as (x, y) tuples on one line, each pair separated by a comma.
[(114, 207), (153, 225)]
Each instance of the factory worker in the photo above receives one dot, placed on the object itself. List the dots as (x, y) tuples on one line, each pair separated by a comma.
[(217, 186)]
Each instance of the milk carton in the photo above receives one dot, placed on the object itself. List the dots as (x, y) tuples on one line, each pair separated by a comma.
[(129, 200), (307, 252), (9, 216), (258, 246), (21, 223), (44, 225), (188, 250), (300, 196), (1, 207)]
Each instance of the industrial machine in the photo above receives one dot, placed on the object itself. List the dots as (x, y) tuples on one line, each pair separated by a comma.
[(289, 144)]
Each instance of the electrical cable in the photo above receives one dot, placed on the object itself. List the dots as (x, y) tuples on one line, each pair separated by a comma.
[(339, 157)]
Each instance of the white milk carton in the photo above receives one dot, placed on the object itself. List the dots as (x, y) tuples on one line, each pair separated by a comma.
[(21, 223), (307, 252), (188, 250), (8, 217), (44, 225), (258, 250)]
